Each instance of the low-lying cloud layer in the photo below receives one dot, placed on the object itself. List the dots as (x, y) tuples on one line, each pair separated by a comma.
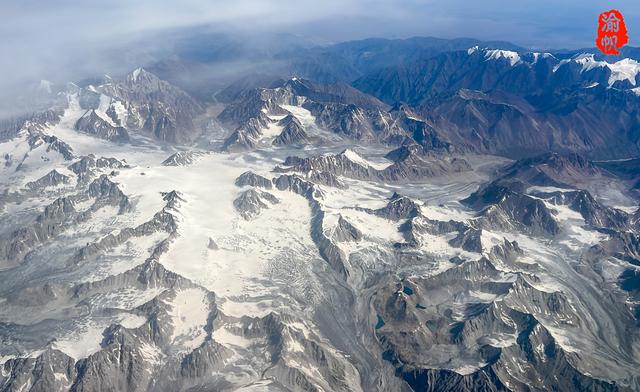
[(66, 39)]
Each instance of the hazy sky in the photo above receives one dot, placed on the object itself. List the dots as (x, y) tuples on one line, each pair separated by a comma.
[(47, 37)]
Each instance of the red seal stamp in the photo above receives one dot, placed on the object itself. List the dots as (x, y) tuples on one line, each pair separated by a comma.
[(612, 32)]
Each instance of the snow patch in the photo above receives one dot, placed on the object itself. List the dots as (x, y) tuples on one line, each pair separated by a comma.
[(355, 157), (495, 54), (82, 341), (189, 313), (625, 69), (227, 338), (136, 74), (537, 56)]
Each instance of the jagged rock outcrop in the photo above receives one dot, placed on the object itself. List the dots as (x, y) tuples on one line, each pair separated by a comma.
[(345, 231), (162, 221), (251, 179), (336, 108), (399, 207), (508, 252), (31, 123), (410, 164), (416, 167), (593, 212), (502, 208), (52, 370), (297, 185), (469, 239), (552, 169), (53, 143), (106, 192), (246, 137), (347, 120), (143, 102), (55, 217), (182, 158), (293, 132), (89, 165), (52, 179), (344, 164), (93, 124), (624, 245), (251, 202), (326, 178)]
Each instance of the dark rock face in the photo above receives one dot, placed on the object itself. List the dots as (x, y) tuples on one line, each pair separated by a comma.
[(347, 120), (297, 185), (97, 126), (87, 166), (182, 158), (107, 193), (410, 164), (399, 207), (624, 245), (404, 152), (51, 179), (251, 202), (246, 136), (595, 213), (249, 117), (293, 132), (552, 169), (36, 139), (51, 222), (468, 239), (414, 166), (508, 252), (252, 104), (31, 123), (418, 131), (330, 93), (326, 178), (503, 208), (340, 165), (345, 231), (155, 107), (533, 214), (51, 370), (436, 380), (252, 179)]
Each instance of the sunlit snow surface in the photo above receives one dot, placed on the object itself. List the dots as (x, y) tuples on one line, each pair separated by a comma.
[(625, 69)]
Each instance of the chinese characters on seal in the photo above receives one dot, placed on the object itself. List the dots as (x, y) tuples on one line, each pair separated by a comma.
[(612, 32)]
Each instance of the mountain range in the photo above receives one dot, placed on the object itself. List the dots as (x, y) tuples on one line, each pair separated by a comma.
[(377, 215)]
